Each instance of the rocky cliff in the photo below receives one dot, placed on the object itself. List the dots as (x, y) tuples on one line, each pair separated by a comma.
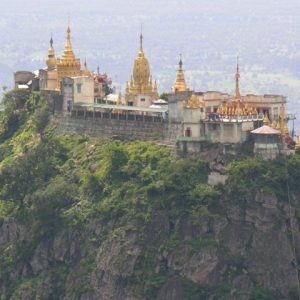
[(232, 254)]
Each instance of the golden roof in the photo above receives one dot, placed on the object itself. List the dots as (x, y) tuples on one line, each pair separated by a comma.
[(236, 108), (180, 84), (194, 102)]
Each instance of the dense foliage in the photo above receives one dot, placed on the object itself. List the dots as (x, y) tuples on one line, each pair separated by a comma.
[(55, 182)]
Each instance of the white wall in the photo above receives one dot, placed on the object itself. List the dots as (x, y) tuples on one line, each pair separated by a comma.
[(84, 93)]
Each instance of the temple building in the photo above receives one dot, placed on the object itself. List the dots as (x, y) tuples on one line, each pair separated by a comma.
[(57, 69), (68, 65), (217, 117), (141, 91), (180, 84)]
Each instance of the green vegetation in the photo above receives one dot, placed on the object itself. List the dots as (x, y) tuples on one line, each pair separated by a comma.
[(57, 185)]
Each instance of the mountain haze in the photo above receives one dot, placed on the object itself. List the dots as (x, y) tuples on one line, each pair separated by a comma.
[(209, 34)]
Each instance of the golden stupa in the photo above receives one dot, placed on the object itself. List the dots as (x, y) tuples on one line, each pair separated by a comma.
[(51, 61), (68, 65), (180, 84), (141, 80)]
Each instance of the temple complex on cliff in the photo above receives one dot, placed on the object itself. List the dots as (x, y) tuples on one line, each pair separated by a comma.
[(216, 117)]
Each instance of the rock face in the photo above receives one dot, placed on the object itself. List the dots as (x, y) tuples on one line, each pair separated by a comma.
[(227, 256)]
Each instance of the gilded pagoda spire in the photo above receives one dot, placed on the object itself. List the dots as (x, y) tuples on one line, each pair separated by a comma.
[(180, 84), (68, 65), (141, 42), (237, 94), (68, 51), (141, 83), (51, 61), (141, 70)]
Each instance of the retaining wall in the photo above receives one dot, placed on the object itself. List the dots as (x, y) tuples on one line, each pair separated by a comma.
[(160, 132)]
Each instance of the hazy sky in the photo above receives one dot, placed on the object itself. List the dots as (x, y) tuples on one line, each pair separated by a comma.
[(209, 33)]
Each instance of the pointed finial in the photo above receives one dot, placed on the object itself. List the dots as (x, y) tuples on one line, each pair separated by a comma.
[(85, 63), (141, 38), (51, 40), (180, 61), (69, 27), (237, 80)]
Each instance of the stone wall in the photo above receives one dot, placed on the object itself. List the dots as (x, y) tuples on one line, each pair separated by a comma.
[(161, 133)]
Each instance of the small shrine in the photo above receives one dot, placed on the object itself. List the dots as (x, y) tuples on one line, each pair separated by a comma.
[(266, 141)]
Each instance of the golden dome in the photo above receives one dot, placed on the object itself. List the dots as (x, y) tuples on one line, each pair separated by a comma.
[(141, 69), (236, 107), (51, 61)]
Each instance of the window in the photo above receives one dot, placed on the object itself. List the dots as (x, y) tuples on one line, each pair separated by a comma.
[(188, 132), (143, 99), (78, 88)]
